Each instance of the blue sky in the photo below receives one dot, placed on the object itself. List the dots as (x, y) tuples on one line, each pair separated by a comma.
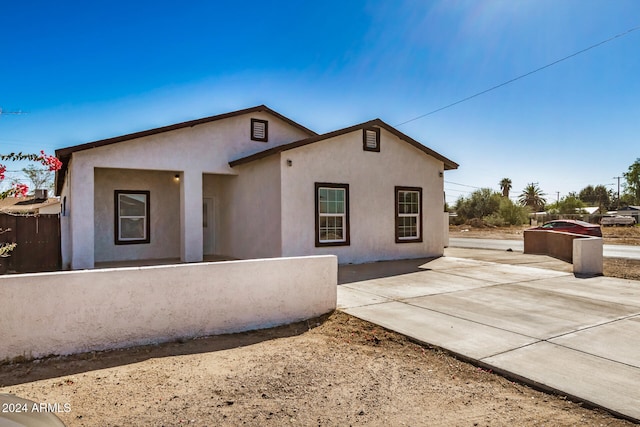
[(90, 70)]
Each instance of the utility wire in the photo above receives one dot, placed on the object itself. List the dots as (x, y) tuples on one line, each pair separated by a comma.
[(522, 76)]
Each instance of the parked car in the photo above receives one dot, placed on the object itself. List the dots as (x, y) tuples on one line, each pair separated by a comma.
[(571, 226), (618, 220)]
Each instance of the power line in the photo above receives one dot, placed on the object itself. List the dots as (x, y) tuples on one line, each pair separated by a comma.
[(462, 185), (523, 75), (3, 112)]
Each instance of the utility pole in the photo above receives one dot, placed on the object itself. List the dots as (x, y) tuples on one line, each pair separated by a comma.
[(618, 178), (558, 197)]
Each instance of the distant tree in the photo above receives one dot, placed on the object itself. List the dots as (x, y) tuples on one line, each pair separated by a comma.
[(512, 213), (568, 205), (596, 196), (632, 185), (480, 203), (505, 187), (40, 178), (531, 197)]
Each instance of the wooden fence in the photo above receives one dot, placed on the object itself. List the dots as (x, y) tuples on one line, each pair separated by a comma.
[(38, 242)]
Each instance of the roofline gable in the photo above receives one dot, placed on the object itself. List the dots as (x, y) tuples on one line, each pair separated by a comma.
[(448, 164), (64, 154)]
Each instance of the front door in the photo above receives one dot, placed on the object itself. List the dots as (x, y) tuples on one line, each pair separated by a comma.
[(208, 226)]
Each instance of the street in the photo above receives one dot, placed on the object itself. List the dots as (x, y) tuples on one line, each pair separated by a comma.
[(609, 251)]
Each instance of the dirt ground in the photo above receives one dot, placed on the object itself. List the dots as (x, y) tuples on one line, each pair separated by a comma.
[(336, 370), (613, 267)]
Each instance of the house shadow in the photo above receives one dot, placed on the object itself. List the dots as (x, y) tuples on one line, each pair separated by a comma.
[(350, 273), (61, 366)]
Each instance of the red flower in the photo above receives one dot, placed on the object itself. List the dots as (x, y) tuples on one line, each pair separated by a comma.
[(3, 169), (20, 190), (52, 162)]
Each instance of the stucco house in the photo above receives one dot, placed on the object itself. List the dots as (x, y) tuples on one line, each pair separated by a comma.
[(251, 184)]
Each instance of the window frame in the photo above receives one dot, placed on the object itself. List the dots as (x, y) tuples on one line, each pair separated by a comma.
[(345, 215), (266, 130), (365, 147), (398, 215), (147, 217)]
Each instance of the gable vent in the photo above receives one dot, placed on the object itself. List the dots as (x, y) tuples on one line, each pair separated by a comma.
[(259, 130), (371, 139)]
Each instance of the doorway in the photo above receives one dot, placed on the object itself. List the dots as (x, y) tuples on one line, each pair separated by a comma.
[(208, 226)]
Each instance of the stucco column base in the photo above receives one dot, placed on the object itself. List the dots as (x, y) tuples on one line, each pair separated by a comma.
[(587, 256)]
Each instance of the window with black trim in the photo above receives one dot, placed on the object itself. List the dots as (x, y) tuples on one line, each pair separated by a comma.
[(371, 139), (259, 130), (408, 214), (332, 214), (131, 217)]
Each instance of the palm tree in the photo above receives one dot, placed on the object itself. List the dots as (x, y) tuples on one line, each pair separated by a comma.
[(532, 197), (505, 186)]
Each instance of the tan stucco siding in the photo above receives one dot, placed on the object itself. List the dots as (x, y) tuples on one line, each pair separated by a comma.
[(252, 211), (372, 177), (164, 214)]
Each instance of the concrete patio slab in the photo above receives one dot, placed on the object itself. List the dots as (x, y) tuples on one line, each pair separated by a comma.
[(511, 258), (616, 341), (609, 289), (577, 336), (526, 310), (502, 273), (453, 333), (448, 263), (348, 297), (593, 379), (417, 284)]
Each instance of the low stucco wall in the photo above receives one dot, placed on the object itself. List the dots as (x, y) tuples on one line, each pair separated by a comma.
[(552, 243), (78, 311), (584, 252)]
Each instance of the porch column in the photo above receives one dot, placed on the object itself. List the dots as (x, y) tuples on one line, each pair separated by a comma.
[(191, 216), (81, 216)]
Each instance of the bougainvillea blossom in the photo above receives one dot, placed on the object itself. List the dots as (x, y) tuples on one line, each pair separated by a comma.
[(20, 190), (52, 162)]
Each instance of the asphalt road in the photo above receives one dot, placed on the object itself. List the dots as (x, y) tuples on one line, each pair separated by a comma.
[(609, 251)]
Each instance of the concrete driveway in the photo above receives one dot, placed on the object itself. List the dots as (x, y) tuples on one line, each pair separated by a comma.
[(525, 316)]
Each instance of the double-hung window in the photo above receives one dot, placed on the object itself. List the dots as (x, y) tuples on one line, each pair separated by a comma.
[(408, 214), (332, 214), (131, 217)]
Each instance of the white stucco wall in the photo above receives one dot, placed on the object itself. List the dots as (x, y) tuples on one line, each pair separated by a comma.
[(164, 214), (372, 177), (252, 214), (79, 311), (194, 151), (65, 226)]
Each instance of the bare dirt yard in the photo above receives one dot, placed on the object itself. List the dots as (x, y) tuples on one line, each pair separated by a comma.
[(613, 267), (332, 371), (336, 370)]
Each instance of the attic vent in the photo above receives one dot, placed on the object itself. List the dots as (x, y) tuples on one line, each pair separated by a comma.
[(259, 130), (371, 139)]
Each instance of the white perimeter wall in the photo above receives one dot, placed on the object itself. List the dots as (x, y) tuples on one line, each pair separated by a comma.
[(372, 177), (78, 311)]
